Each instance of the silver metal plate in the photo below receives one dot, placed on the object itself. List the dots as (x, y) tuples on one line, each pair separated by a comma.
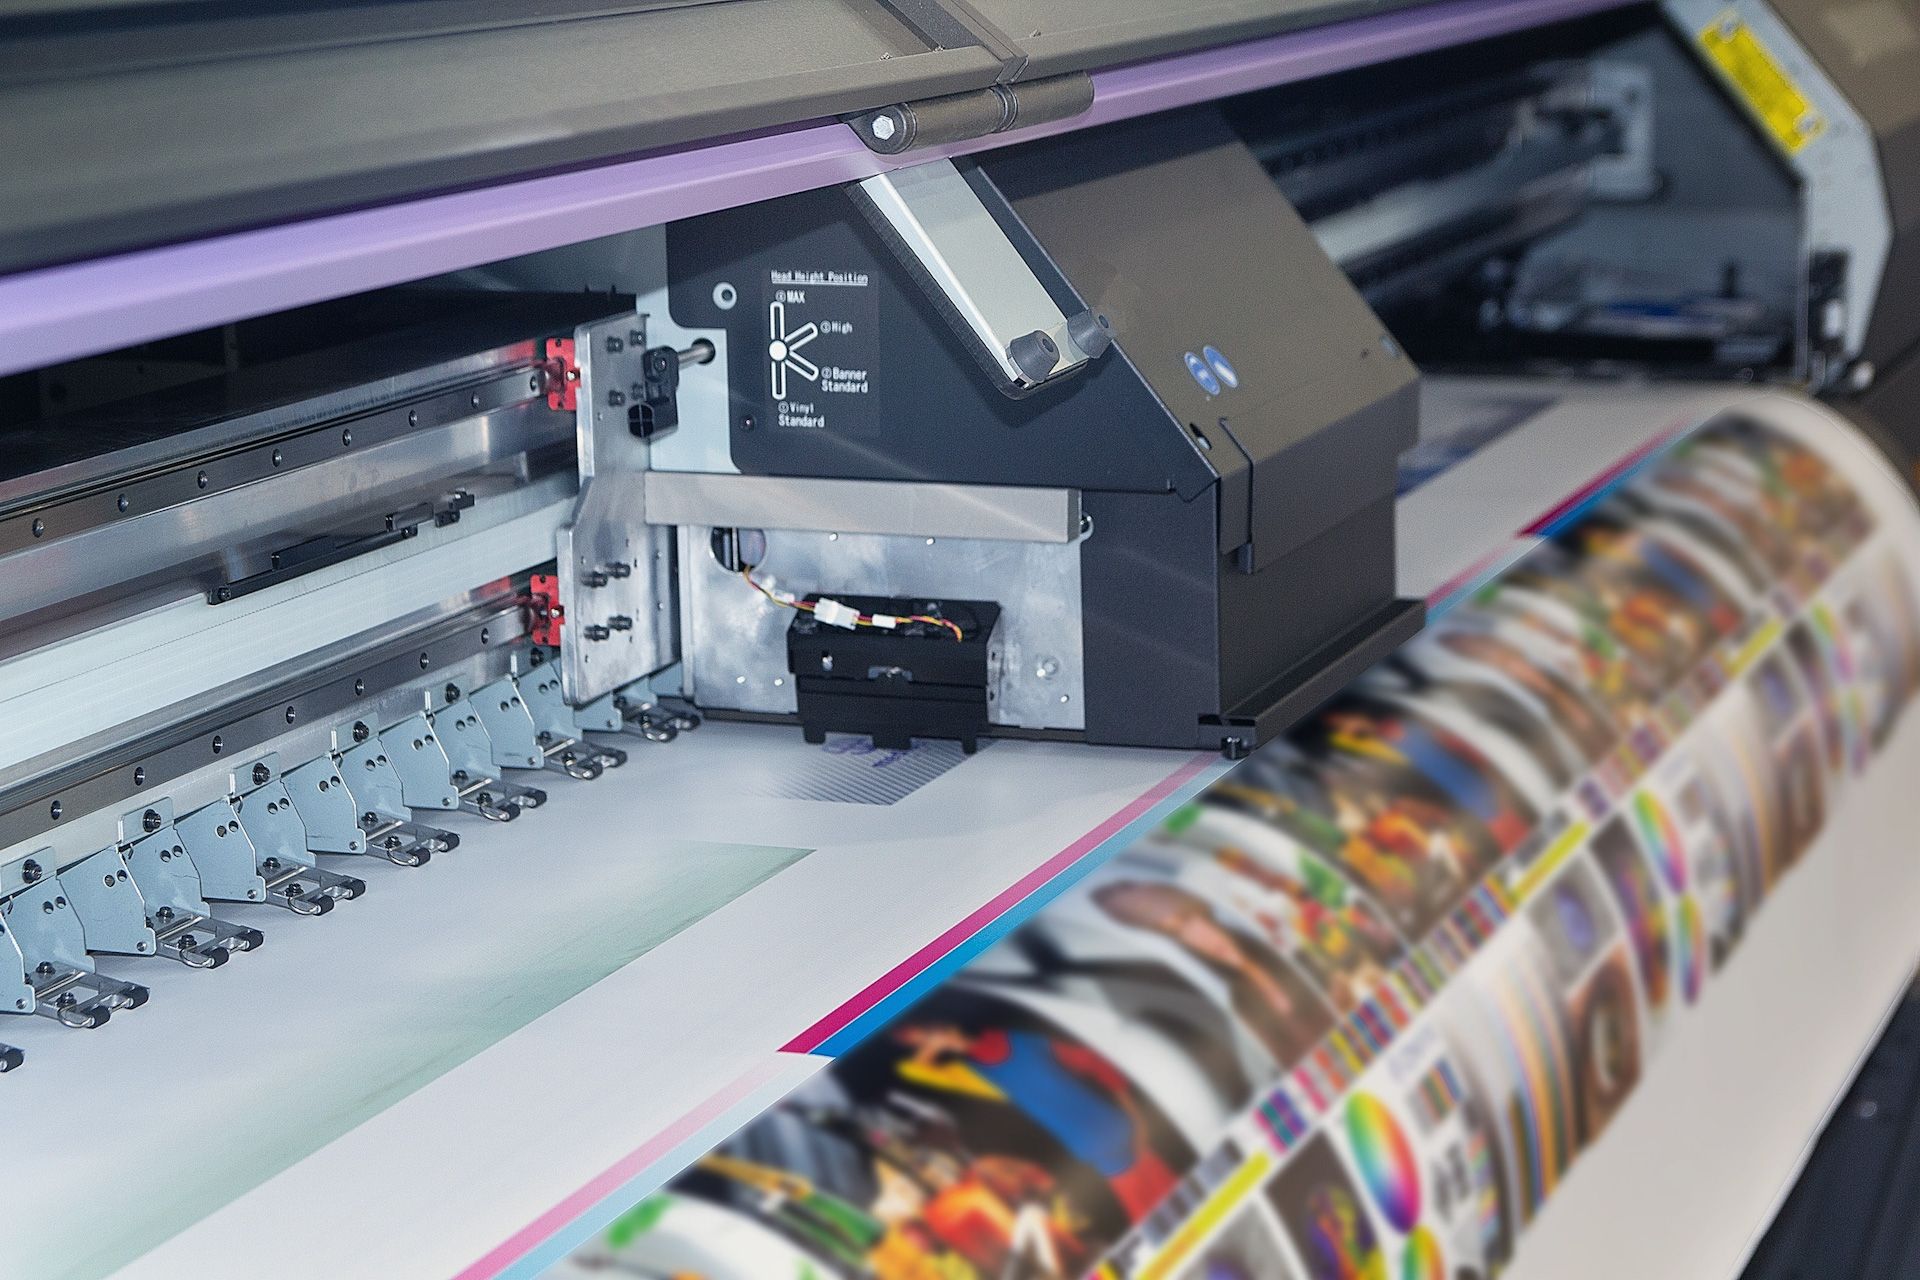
[(113, 915), (736, 652), (614, 573), (967, 256), (864, 506)]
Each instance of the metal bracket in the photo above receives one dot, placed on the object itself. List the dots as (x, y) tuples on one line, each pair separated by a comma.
[(272, 826), (112, 912), (228, 863), (13, 966), (613, 567), (476, 778), (327, 809), (946, 236), (378, 795), (559, 731), (426, 774), (511, 735), (648, 712), (61, 980), (184, 926)]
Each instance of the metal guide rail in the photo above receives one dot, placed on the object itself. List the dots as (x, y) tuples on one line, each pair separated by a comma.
[(452, 717)]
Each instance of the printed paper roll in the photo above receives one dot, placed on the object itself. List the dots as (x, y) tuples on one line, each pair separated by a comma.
[(1362, 1010)]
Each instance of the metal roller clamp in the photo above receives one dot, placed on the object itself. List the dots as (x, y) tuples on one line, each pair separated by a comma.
[(477, 780), (379, 798), (60, 981), (560, 730), (183, 924), (271, 826)]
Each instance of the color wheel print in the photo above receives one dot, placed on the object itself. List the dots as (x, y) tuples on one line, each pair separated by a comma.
[(1540, 1114), (1386, 1160), (1836, 650), (1662, 839), (1691, 934), (1637, 891), (1422, 1260)]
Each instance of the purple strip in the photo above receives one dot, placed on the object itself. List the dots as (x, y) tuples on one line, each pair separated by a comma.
[(59, 313)]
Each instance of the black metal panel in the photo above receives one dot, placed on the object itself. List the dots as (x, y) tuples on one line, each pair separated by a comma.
[(1890, 413), (929, 412), (1854, 1211), (1149, 618), (1073, 35), (1171, 227), (1872, 54), (177, 123), (136, 122), (1241, 563)]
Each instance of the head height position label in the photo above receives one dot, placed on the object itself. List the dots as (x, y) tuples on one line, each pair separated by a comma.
[(823, 339)]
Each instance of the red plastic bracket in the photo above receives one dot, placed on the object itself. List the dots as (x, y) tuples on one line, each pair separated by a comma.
[(548, 613), (563, 374)]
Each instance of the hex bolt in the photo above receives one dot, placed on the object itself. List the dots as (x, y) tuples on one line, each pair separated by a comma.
[(620, 622), (260, 775), (598, 632), (620, 569), (31, 871)]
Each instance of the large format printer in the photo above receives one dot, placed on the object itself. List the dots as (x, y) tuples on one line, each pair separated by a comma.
[(1014, 394)]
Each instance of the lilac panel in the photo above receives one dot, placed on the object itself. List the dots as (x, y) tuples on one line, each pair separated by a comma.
[(59, 313)]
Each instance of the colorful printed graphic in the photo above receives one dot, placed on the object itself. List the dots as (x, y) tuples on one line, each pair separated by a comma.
[(1540, 1110), (1355, 1014), (1331, 1230), (1385, 1159), (1662, 839), (1422, 1259), (1640, 901), (1691, 933)]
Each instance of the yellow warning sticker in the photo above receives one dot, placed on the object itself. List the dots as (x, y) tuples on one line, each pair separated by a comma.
[(1776, 101)]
